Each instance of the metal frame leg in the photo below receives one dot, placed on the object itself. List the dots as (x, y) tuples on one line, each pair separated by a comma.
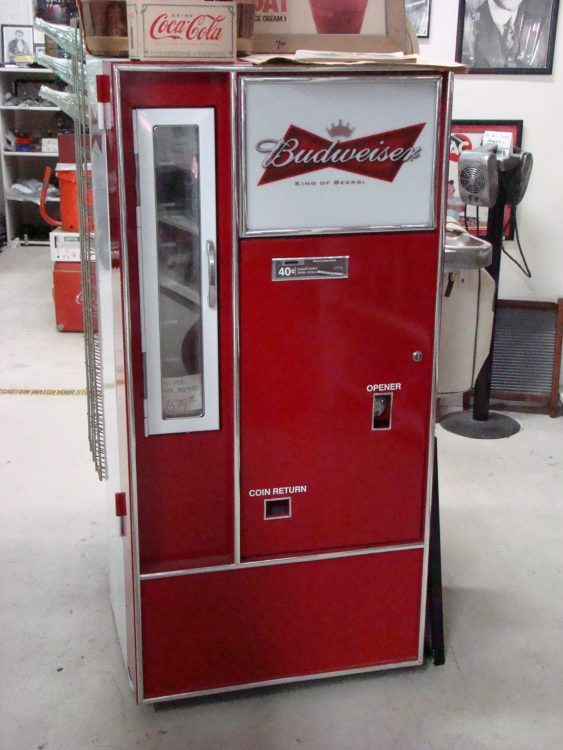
[(434, 641)]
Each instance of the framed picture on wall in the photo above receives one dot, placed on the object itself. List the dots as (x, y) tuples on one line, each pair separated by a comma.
[(17, 43), (337, 25), (56, 11), (418, 13), (38, 41), (507, 36), (466, 135)]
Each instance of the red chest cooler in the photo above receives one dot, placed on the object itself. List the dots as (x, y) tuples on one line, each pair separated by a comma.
[(67, 296)]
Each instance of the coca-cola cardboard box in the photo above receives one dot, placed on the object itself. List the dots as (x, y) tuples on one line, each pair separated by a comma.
[(344, 25), (179, 29)]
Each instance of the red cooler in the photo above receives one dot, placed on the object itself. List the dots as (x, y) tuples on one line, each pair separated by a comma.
[(67, 295)]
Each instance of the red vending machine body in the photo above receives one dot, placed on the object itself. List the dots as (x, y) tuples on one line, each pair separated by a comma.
[(279, 238)]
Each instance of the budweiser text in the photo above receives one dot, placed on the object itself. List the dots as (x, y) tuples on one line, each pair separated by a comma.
[(379, 156)]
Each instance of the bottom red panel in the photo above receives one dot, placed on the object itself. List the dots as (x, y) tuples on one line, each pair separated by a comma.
[(215, 630)]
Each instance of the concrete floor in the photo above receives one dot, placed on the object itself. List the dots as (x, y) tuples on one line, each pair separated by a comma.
[(63, 685)]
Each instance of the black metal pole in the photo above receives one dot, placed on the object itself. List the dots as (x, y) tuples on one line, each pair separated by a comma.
[(495, 227), (481, 423)]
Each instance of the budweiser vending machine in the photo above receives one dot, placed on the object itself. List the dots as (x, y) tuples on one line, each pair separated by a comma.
[(276, 240)]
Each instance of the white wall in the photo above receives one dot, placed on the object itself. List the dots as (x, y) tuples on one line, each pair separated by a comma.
[(16, 11), (538, 101)]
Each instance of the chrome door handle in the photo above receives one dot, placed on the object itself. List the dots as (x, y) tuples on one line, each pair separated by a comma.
[(212, 273)]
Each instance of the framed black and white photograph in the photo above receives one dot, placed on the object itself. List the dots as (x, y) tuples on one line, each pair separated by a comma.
[(418, 13), (507, 36), (16, 41)]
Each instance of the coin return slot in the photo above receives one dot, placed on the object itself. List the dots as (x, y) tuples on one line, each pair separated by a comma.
[(381, 414), (279, 508)]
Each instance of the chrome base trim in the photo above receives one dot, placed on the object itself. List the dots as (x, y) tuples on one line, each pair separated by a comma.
[(243, 68), (281, 561), (282, 681)]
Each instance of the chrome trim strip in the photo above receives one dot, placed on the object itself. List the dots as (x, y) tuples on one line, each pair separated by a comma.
[(438, 309), (129, 392), (242, 208), (379, 229), (436, 157), (282, 561), (242, 68), (236, 323), (321, 77), (283, 681)]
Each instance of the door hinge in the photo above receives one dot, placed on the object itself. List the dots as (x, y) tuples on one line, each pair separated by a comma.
[(120, 504), (103, 98), (102, 89), (145, 390)]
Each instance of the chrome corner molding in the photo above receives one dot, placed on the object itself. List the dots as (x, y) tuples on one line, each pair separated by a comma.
[(446, 119), (248, 69), (236, 321), (126, 306)]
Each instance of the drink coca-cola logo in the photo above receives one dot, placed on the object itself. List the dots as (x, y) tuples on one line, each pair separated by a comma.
[(459, 142), (206, 27), (379, 156)]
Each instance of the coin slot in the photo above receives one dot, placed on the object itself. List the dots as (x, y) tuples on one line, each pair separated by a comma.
[(381, 413), (278, 508)]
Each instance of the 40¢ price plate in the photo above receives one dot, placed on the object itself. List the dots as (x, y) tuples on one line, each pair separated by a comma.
[(310, 269)]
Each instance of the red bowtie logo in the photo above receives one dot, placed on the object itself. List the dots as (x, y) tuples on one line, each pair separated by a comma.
[(379, 156)]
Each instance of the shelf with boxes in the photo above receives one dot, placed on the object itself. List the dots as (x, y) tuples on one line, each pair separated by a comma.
[(29, 128)]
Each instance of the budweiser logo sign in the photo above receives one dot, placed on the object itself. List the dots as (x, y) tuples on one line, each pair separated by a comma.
[(379, 156)]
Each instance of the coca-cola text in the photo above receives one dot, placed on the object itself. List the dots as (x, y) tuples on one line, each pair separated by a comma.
[(204, 27)]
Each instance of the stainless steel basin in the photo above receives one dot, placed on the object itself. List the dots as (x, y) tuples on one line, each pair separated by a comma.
[(463, 251)]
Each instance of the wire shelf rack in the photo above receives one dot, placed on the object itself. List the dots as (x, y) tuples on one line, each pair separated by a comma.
[(92, 342)]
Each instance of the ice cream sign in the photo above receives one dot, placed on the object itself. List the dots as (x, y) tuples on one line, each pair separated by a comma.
[(320, 16)]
